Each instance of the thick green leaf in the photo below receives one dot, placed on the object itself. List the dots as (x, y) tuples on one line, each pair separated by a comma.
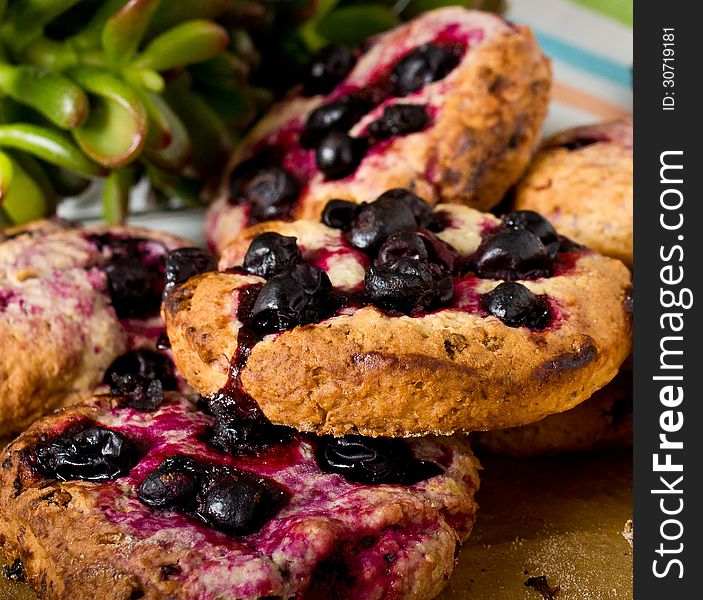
[(186, 44), (49, 145), (116, 189), (124, 31), (351, 25), (21, 197)]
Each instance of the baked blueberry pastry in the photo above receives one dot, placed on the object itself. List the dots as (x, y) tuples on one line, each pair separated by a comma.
[(105, 500), (395, 318), (581, 180), (449, 105), (73, 300)]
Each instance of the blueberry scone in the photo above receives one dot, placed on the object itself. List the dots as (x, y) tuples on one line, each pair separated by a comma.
[(449, 105), (394, 318), (107, 500), (602, 421), (581, 180), (72, 301)]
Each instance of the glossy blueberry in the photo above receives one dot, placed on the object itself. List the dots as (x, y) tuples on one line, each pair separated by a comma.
[(338, 115), (239, 430), (399, 119), (421, 66), (135, 288), (138, 392), (295, 298), (422, 211), (184, 263), (174, 483), (271, 194), (90, 454), (516, 306), (339, 214), (270, 254), (422, 245), (537, 224), (373, 461), (512, 254), (327, 68), (376, 221), (408, 286), (238, 504), (147, 364), (339, 154)]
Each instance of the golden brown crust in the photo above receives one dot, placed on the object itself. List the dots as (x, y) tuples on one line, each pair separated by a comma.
[(58, 332), (602, 421), (447, 371), (489, 111), (586, 192)]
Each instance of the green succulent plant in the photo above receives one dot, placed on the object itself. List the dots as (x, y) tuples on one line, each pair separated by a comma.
[(121, 89)]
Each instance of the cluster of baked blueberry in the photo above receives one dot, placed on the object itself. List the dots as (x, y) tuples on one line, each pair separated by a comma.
[(271, 191)]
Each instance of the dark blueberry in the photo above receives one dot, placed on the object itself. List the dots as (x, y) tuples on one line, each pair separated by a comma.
[(338, 154), (567, 245), (184, 263), (138, 392), (338, 115), (15, 571), (537, 224), (238, 504), (422, 211), (271, 194), (135, 288), (146, 363), (399, 119), (327, 68), (512, 254), (91, 454), (270, 254), (421, 66), (376, 221), (240, 429), (422, 245), (516, 306), (408, 286), (243, 173), (174, 483), (404, 244), (374, 461), (339, 214), (295, 298)]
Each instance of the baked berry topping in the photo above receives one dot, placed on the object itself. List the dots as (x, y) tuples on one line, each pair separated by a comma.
[(140, 393), (422, 245), (537, 224), (147, 364), (376, 221), (238, 504), (270, 254), (135, 288), (373, 461), (421, 66), (512, 254), (516, 306), (339, 214), (298, 297), (338, 154), (184, 263), (174, 484), (408, 286), (271, 193), (327, 68), (91, 454), (338, 115), (242, 428), (422, 211), (399, 119)]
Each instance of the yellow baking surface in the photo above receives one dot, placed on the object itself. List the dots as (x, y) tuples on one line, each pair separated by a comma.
[(559, 517)]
